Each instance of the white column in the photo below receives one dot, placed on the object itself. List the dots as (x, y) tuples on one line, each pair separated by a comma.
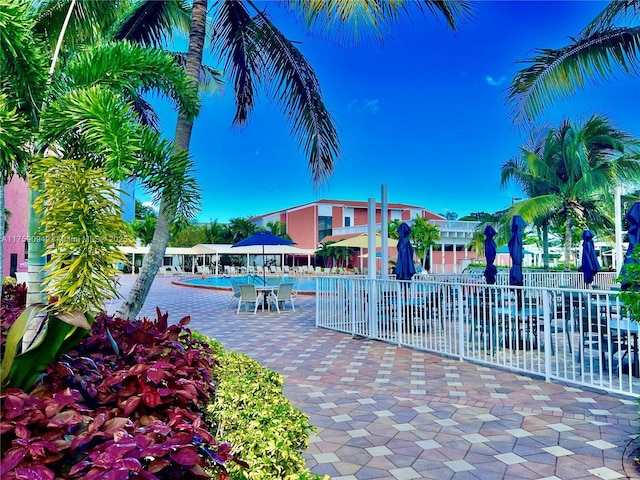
[(384, 207), (371, 229), (617, 257), (455, 257)]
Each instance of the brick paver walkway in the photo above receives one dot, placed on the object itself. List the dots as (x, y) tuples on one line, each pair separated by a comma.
[(387, 412)]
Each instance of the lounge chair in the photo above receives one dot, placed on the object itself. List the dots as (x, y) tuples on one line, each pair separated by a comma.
[(177, 270), (282, 295), (285, 269), (248, 296), (166, 271)]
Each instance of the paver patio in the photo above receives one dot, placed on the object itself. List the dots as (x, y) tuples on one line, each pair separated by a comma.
[(388, 412)]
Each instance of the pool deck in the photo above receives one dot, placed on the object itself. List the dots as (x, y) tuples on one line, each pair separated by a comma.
[(388, 412)]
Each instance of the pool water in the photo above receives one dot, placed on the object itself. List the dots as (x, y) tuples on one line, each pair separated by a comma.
[(303, 285)]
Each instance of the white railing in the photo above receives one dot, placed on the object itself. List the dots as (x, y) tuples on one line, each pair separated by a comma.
[(602, 281), (580, 336)]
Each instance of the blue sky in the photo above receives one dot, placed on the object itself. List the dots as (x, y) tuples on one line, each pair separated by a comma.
[(424, 113)]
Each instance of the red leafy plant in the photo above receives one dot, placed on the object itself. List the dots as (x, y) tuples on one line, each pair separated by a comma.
[(14, 298), (105, 413)]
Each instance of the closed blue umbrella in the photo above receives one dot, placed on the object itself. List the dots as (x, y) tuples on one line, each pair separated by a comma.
[(516, 251), (633, 216), (589, 265), (263, 237), (405, 269), (490, 254)]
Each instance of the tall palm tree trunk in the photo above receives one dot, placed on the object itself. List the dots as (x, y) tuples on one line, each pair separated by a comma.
[(182, 139), (567, 245), (36, 259), (545, 244)]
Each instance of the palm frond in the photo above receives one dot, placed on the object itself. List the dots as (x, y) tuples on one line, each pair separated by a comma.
[(619, 10), (131, 68), (23, 62), (293, 84), (104, 123), (14, 138), (168, 175), (557, 74), (88, 19), (211, 79), (352, 21), (231, 41), (152, 22)]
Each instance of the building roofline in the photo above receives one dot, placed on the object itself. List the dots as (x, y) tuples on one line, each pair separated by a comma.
[(347, 203)]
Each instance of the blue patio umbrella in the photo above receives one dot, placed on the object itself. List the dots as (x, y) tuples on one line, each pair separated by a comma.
[(589, 265), (516, 251), (405, 269), (263, 237), (490, 254), (633, 216)]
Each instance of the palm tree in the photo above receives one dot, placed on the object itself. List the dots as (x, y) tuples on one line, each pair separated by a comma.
[(83, 109), (517, 169), (424, 235), (596, 54), (572, 175), (254, 51)]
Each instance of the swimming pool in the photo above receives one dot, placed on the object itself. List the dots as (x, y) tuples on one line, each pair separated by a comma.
[(302, 285)]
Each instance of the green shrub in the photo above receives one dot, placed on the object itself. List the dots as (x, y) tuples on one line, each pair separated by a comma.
[(251, 412)]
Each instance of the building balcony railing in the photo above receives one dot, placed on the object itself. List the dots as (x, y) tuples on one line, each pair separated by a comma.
[(445, 227)]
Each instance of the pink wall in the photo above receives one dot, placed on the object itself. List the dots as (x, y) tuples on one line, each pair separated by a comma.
[(16, 195), (302, 226)]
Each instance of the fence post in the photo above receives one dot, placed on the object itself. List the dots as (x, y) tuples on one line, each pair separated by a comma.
[(461, 322), (546, 308)]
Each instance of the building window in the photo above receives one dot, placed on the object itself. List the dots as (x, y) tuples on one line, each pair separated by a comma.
[(324, 227), (347, 221)]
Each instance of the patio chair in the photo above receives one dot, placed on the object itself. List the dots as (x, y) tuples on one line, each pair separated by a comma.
[(177, 270), (248, 296), (282, 295), (235, 295)]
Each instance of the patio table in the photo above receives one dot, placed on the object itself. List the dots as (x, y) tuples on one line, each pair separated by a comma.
[(266, 290)]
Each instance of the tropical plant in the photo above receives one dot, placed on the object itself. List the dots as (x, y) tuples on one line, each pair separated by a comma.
[(631, 278), (255, 53), (217, 232), (84, 111), (191, 235), (240, 228), (278, 228), (596, 54), (81, 125), (573, 174), (424, 235), (143, 228), (249, 394), (99, 414), (392, 228)]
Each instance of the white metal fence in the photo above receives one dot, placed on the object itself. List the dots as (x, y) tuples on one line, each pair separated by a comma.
[(574, 335), (603, 280)]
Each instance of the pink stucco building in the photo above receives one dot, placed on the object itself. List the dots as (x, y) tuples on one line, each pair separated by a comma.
[(15, 240)]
